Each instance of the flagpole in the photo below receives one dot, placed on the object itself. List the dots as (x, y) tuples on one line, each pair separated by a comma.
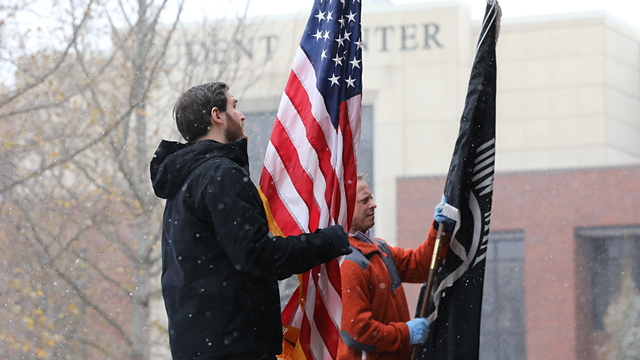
[(426, 292)]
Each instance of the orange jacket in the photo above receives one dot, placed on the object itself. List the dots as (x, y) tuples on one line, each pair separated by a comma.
[(374, 306)]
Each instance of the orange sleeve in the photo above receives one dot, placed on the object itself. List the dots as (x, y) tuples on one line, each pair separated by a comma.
[(413, 265)]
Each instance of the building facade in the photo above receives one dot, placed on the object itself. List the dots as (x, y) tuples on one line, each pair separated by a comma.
[(567, 191)]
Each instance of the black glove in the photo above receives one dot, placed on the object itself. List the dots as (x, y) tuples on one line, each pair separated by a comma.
[(338, 237)]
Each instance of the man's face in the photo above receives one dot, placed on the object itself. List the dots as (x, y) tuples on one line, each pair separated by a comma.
[(234, 122), (364, 210)]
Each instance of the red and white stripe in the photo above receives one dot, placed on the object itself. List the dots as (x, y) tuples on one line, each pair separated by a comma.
[(309, 179)]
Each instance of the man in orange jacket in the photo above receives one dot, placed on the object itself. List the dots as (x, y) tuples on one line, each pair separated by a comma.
[(375, 315)]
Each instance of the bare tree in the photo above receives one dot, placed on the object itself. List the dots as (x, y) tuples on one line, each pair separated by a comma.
[(80, 93), (77, 196)]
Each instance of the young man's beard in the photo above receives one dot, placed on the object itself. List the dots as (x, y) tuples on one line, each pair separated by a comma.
[(233, 131)]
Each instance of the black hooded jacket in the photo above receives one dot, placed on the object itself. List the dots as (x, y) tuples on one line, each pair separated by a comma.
[(220, 264)]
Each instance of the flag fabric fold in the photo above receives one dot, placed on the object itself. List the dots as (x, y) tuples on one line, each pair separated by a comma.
[(309, 176), (457, 299)]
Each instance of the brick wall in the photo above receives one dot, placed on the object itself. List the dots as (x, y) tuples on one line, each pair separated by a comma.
[(548, 206)]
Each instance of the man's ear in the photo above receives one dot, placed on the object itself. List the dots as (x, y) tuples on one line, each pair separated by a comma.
[(216, 116)]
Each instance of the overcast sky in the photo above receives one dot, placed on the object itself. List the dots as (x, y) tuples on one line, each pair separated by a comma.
[(627, 10)]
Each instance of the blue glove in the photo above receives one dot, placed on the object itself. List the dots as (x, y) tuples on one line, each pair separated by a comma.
[(438, 216), (418, 329)]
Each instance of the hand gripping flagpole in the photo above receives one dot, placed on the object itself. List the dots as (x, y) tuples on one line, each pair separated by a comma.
[(426, 291)]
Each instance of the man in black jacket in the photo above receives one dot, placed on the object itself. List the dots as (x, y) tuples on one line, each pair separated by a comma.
[(220, 264)]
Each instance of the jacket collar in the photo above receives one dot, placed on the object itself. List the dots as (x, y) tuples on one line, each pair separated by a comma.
[(173, 162), (363, 242)]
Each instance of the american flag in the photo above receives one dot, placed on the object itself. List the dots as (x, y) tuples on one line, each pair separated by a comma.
[(309, 176)]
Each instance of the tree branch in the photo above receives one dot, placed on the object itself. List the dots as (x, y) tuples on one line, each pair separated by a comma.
[(65, 53)]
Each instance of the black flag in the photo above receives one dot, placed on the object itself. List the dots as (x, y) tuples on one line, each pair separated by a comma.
[(457, 299)]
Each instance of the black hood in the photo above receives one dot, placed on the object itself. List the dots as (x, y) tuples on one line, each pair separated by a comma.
[(173, 162)]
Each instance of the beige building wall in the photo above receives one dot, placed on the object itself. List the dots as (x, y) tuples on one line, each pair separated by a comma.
[(568, 93), (568, 89)]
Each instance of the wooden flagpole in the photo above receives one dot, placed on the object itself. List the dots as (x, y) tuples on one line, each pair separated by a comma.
[(426, 294)]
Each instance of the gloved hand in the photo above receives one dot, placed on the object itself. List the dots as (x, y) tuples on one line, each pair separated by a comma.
[(418, 329), (338, 237), (438, 216)]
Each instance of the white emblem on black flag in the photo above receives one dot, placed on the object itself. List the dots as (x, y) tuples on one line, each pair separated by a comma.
[(457, 300)]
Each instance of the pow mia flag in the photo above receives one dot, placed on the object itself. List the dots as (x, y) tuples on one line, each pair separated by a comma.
[(457, 300)]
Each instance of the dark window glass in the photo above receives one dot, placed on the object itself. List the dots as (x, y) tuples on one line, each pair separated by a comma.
[(503, 327), (605, 249), (258, 126), (365, 164)]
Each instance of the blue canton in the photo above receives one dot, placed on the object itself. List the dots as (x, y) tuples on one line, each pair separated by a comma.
[(332, 42)]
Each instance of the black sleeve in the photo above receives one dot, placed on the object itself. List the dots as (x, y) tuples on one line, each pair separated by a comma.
[(237, 213)]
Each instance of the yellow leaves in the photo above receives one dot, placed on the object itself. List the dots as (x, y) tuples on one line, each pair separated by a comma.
[(73, 308), (12, 341), (94, 113), (27, 347), (66, 203), (54, 154), (138, 207), (14, 284), (40, 353), (141, 271), (42, 320), (7, 144), (142, 112), (30, 322)]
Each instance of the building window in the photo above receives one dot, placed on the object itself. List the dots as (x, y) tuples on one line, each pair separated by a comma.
[(258, 126), (604, 250), (503, 326), (365, 163)]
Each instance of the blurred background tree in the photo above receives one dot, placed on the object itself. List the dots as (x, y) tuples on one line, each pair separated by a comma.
[(79, 223)]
